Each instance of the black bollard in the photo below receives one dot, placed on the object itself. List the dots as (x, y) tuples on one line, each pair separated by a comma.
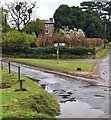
[(9, 66), (20, 84), (18, 73), (1, 65), (20, 81)]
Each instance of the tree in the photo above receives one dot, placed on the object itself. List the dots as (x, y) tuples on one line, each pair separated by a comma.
[(103, 7), (107, 10), (93, 26), (107, 20), (20, 13), (75, 17), (89, 5), (67, 16), (4, 25), (62, 16), (16, 41), (37, 26)]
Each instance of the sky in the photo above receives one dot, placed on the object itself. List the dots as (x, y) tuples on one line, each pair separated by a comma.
[(45, 8)]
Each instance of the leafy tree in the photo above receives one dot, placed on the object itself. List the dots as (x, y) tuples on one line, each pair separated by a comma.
[(20, 13), (37, 26), (3, 21), (15, 41), (75, 17), (62, 15), (107, 10), (93, 26), (103, 8), (107, 21), (89, 5)]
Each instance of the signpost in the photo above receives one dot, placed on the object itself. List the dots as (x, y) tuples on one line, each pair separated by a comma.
[(57, 45), (105, 28)]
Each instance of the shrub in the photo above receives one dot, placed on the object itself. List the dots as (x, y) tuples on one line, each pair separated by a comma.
[(69, 41), (14, 41), (78, 51), (50, 52)]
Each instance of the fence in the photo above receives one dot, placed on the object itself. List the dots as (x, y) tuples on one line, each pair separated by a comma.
[(9, 70)]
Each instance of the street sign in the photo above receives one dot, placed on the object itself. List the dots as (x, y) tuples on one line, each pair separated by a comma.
[(60, 44)]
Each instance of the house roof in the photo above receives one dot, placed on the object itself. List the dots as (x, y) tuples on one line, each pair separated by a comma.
[(50, 21)]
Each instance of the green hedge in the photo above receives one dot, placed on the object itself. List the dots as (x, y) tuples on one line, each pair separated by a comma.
[(62, 50), (50, 52), (76, 50)]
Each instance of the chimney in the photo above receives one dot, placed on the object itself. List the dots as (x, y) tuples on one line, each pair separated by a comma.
[(51, 19)]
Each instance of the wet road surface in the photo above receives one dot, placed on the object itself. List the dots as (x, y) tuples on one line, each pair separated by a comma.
[(104, 69), (77, 98)]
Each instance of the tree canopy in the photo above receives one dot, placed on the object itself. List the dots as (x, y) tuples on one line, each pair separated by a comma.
[(75, 17), (3, 20), (103, 8), (37, 26)]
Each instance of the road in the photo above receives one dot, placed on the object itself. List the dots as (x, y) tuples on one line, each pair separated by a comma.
[(77, 98)]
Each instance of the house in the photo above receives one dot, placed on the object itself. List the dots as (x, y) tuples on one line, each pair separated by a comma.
[(49, 27)]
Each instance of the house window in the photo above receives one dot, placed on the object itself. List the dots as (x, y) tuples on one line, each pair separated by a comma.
[(46, 32), (46, 25)]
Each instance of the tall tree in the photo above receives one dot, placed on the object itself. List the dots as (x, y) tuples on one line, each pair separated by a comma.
[(104, 10), (3, 20), (62, 15), (20, 13), (37, 26), (89, 5), (74, 17), (107, 20), (93, 25)]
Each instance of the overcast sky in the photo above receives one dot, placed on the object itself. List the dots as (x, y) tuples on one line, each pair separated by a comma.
[(46, 8)]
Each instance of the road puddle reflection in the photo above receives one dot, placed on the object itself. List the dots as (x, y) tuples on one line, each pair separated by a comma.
[(79, 110)]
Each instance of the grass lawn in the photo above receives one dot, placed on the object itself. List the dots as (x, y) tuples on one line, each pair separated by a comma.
[(102, 53), (65, 66), (30, 104), (0, 98)]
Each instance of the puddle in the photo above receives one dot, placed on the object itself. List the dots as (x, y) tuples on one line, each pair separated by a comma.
[(98, 95), (79, 110)]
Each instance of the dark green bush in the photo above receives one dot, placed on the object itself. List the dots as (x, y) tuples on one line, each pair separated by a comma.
[(50, 52), (76, 50)]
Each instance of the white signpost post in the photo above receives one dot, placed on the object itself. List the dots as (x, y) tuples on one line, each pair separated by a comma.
[(58, 45)]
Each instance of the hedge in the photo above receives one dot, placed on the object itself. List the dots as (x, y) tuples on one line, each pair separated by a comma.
[(50, 52)]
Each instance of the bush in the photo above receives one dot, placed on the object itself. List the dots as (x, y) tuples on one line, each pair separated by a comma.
[(69, 41), (14, 41), (50, 52)]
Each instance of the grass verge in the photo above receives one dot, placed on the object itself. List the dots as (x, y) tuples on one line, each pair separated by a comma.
[(102, 53), (31, 104), (65, 66)]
